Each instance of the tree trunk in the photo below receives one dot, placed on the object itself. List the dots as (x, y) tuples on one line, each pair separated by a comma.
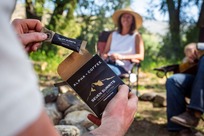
[(71, 8), (31, 10), (174, 23), (200, 24), (58, 11), (201, 16)]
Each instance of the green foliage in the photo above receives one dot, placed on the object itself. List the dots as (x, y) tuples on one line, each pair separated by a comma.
[(39, 8), (67, 27), (179, 19), (154, 54), (191, 34), (169, 50), (52, 60), (152, 48), (61, 21), (34, 8), (95, 18)]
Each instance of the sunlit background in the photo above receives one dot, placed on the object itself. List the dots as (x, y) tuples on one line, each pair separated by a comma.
[(164, 37)]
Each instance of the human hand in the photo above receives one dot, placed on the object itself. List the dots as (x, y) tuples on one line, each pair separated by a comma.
[(28, 31), (118, 114), (191, 53), (192, 56), (104, 56), (116, 56), (135, 60)]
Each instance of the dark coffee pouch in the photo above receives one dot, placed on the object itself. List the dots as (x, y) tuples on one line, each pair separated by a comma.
[(66, 42), (91, 78)]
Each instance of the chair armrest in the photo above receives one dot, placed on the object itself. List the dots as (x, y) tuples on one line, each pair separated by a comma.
[(100, 47), (136, 66), (135, 61)]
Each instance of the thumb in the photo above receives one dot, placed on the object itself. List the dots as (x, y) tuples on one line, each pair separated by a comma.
[(32, 37)]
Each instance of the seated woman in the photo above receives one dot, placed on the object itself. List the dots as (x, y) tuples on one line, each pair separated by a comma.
[(125, 45)]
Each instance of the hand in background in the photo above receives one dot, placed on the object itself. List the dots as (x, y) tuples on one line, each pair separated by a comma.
[(193, 56), (191, 53), (104, 56), (118, 114), (28, 31), (116, 56)]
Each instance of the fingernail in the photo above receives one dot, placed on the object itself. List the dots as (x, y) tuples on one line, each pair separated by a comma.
[(119, 87), (44, 36), (35, 48)]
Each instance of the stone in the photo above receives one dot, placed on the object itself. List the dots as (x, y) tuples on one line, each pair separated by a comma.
[(159, 101), (147, 96), (68, 130), (50, 94), (77, 117), (77, 107), (53, 113), (64, 101)]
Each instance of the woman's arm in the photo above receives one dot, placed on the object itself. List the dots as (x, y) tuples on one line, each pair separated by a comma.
[(139, 47), (104, 55)]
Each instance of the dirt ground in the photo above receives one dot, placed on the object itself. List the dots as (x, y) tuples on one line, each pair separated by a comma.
[(149, 120)]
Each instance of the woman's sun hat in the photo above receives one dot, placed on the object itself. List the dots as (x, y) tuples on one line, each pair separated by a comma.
[(118, 13)]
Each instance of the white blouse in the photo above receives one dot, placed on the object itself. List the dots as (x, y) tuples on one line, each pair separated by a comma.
[(124, 45)]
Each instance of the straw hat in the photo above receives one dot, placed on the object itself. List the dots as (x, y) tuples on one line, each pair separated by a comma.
[(118, 13)]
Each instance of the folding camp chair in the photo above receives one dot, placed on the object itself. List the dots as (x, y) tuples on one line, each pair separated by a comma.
[(132, 75)]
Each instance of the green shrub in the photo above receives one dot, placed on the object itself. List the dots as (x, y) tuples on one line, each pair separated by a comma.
[(50, 60)]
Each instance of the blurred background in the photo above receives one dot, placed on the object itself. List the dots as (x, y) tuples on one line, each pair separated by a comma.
[(168, 25)]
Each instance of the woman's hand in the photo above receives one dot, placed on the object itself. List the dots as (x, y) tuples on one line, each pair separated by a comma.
[(116, 56), (104, 56)]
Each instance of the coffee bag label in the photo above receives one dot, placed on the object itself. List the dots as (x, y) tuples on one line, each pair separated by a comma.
[(96, 84)]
